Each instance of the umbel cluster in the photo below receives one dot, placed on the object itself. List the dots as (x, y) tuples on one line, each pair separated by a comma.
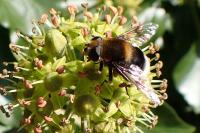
[(85, 73)]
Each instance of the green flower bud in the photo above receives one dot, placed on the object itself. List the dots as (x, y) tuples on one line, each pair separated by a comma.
[(53, 81), (86, 104)]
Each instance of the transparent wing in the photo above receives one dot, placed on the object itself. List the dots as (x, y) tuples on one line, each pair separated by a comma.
[(135, 75), (140, 34)]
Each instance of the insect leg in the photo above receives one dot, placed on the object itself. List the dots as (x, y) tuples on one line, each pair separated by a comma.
[(101, 66), (110, 72)]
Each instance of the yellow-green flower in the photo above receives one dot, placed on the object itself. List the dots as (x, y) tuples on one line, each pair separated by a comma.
[(58, 90)]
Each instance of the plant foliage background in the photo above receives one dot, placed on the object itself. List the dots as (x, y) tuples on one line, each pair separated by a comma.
[(178, 34)]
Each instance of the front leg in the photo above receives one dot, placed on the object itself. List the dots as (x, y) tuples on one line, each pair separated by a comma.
[(110, 72), (101, 66)]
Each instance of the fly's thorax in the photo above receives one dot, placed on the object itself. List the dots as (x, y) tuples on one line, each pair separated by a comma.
[(113, 50)]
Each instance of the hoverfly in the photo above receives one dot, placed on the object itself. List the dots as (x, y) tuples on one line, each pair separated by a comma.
[(122, 54)]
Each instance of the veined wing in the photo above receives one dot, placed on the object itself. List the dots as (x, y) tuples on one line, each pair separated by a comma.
[(135, 75), (140, 34)]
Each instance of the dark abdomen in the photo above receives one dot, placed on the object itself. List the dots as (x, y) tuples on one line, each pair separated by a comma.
[(138, 57)]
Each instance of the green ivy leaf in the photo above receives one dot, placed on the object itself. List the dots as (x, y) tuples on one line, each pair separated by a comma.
[(170, 122), (186, 75), (184, 66), (17, 14)]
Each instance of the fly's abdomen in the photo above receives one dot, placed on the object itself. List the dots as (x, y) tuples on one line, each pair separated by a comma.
[(138, 57)]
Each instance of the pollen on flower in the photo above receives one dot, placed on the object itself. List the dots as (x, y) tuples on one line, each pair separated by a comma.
[(89, 15), (85, 32), (38, 63), (113, 9), (62, 92), (60, 69), (38, 129), (72, 9), (43, 19), (27, 120), (27, 84), (123, 20), (108, 18), (108, 34), (24, 102), (55, 21), (41, 103), (52, 11), (58, 89), (120, 10), (48, 119), (3, 91)]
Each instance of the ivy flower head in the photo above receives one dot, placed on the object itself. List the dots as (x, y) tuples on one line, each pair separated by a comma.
[(59, 90)]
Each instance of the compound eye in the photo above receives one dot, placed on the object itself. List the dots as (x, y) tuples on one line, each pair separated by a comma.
[(85, 50)]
